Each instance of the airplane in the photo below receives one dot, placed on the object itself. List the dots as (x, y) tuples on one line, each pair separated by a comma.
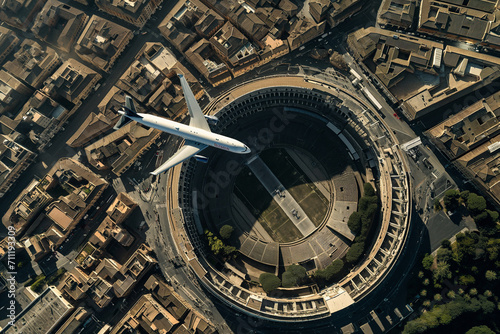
[(197, 134)]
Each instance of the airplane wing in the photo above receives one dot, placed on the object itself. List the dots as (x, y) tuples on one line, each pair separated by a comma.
[(197, 118), (189, 149)]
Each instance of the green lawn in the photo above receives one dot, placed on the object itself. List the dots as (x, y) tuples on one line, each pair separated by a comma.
[(302, 189), (272, 218)]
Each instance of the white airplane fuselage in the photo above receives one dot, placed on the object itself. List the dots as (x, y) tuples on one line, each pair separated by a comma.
[(191, 133)]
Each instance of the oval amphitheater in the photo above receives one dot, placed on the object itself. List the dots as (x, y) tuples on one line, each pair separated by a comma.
[(313, 145)]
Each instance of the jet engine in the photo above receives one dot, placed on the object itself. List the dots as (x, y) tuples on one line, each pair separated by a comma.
[(201, 158), (211, 119)]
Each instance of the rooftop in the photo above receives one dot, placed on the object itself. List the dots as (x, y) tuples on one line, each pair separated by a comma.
[(471, 126), (71, 81), (102, 41), (59, 24), (41, 315)]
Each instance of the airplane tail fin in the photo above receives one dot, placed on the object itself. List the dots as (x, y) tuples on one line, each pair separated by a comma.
[(127, 111), (129, 107)]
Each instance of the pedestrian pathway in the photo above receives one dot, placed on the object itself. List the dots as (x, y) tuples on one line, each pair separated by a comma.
[(287, 203)]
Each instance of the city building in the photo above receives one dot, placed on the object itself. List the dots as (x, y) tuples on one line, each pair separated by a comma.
[(75, 322), (33, 63), (8, 41), (131, 272), (76, 284), (467, 129), (397, 13), (96, 125), (302, 31), (102, 41), (190, 320), (176, 26), (273, 48), (136, 12), (37, 247), (470, 21), (26, 207), (164, 311), (121, 208), (342, 10), (108, 279), (319, 9), (14, 159), (42, 116), (42, 315), (59, 24), (72, 81), (481, 165), (20, 14), (208, 24), (141, 79), (146, 315), (121, 148), (234, 49), (13, 93), (79, 189), (444, 74), (250, 24), (166, 295), (109, 230), (208, 63)]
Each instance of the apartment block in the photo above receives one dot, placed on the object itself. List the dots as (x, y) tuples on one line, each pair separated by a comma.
[(135, 12), (102, 41), (32, 63), (20, 14), (443, 74), (59, 24), (14, 159), (469, 21), (468, 128), (13, 93), (397, 13), (72, 81), (8, 41)]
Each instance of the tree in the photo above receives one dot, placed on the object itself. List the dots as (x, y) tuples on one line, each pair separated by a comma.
[(288, 280), (490, 275), (446, 244), (437, 205), (475, 203), (354, 222), (337, 61), (329, 272), (269, 282), (293, 275), (467, 279), (442, 272), (355, 252), (480, 330), (450, 199), (368, 189), (464, 195), (226, 231), (443, 254), (427, 261), (297, 271)]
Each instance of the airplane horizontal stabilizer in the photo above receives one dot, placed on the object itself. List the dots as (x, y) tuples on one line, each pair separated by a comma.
[(122, 122)]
